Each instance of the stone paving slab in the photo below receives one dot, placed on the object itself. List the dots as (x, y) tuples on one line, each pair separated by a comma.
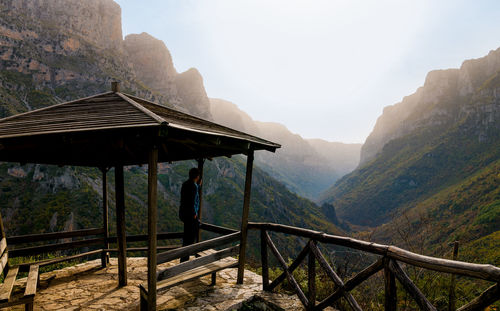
[(87, 286)]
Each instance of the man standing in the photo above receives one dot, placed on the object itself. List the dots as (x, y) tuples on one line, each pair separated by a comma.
[(190, 205)]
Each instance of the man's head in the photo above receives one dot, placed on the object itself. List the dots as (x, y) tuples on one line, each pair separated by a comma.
[(194, 174)]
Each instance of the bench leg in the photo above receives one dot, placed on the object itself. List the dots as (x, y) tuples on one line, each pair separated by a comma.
[(104, 259), (214, 278), (29, 306), (144, 304)]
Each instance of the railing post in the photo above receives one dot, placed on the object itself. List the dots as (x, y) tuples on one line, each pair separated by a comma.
[(264, 260), (244, 217), (200, 168), (152, 225), (105, 227), (391, 298), (311, 274), (120, 225), (451, 301)]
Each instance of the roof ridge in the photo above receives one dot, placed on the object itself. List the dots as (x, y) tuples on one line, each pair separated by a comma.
[(201, 119), (151, 114), (53, 106)]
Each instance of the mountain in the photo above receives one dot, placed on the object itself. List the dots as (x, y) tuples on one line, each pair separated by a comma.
[(57, 50), (60, 50), (430, 169), (307, 166)]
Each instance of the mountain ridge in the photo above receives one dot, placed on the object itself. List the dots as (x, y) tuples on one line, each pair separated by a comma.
[(435, 179), (396, 120), (306, 166)]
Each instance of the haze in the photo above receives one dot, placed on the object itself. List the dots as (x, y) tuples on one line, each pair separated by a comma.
[(325, 69)]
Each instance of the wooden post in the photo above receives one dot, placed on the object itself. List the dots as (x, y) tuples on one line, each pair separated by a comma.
[(391, 298), (244, 217), (200, 168), (264, 260), (115, 86), (120, 225), (105, 255), (452, 298), (152, 225), (311, 275), (2, 230)]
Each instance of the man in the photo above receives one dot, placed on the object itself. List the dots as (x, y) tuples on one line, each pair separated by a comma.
[(190, 205)]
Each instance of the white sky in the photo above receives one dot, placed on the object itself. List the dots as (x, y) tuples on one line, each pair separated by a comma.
[(323, 68)]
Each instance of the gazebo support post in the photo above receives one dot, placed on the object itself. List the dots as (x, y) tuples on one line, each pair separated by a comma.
[(152, 225), (200, 168), (244, 217), (105, 255), (120, 226)]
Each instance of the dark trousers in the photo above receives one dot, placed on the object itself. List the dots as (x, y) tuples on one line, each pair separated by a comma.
[(190, 235)]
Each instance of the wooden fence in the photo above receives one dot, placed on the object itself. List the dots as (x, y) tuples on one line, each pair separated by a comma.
[(23, 246), (389, 262)]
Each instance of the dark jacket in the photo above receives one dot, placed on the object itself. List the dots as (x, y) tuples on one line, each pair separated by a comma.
[(186, 209)]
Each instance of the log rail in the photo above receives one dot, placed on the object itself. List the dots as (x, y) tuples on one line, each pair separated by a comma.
[(32, 245), (389, 262)]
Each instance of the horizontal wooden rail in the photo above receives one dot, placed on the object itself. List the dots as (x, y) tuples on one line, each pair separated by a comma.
[(24, 267), (374, 248), (36, 250), (31, 238), (144, 237), (480, 271), (216, 229), (197, 247), (142, 249)]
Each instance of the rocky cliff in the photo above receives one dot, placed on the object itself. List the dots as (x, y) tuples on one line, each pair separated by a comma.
[(443, 99), (95, 21), (152, 63), (443, 135), (50, 47)]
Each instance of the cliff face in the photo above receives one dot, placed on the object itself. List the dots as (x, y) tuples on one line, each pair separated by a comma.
[(444, 134), (190, 88), (96, 21), (57, 50), (444, 99), (152, 63)]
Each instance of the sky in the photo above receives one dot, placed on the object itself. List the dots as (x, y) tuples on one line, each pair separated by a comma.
[(324, 68)]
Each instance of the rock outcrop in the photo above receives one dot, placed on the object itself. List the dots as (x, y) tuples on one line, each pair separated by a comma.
[(190, 89), (152, 63), (438, 138), (442, 100), (65, 49), (96, 21)]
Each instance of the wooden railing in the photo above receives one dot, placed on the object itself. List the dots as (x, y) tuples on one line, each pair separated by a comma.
[(389, 261), (15, 241), (22, 246)]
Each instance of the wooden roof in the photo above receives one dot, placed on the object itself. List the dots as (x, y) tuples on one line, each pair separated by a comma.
[(115, 128)]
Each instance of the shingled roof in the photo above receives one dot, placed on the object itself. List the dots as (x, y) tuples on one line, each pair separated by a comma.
[(117, 127)]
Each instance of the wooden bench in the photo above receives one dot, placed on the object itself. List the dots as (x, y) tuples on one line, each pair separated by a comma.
[(209, 261), (7, 298)]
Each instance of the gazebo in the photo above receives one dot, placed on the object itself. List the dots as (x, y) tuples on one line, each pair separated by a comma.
[(114, 129)]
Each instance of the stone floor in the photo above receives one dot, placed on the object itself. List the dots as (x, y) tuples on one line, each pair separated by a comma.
[(88, 287)]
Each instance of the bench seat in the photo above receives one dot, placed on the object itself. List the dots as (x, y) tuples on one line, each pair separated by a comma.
[(7, 299), (192, 274)]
